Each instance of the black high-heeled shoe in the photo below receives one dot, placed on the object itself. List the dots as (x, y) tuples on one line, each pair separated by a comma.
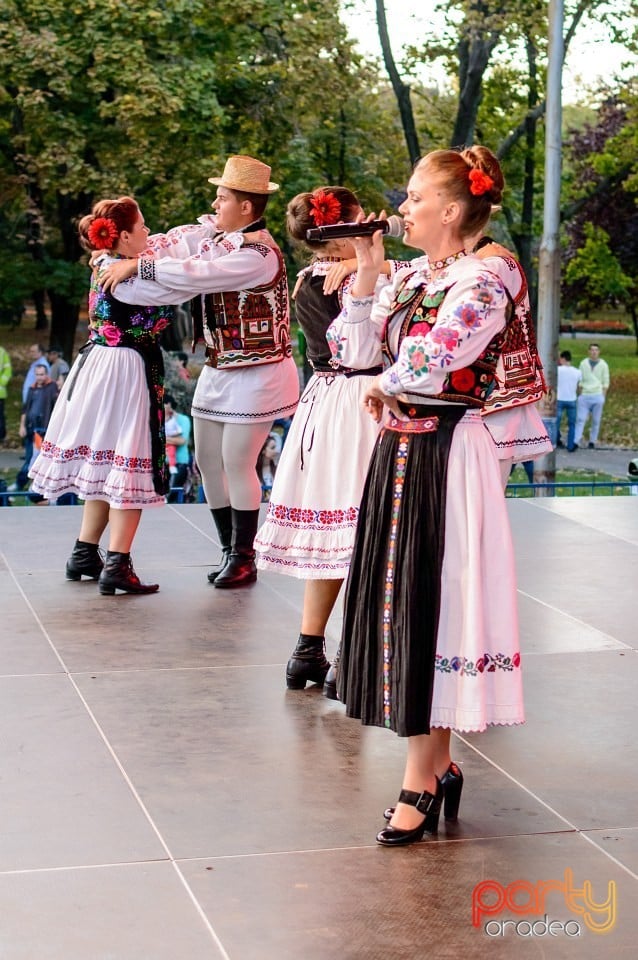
[(452, 783), (426, 803)]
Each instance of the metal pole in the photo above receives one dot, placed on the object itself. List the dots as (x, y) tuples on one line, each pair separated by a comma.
[(549, 258)]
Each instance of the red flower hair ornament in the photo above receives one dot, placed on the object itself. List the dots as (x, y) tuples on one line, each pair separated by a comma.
[(102, 233), (480, 183), (325, 209)]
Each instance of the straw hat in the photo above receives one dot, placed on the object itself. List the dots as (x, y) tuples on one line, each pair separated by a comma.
[(245, 174)]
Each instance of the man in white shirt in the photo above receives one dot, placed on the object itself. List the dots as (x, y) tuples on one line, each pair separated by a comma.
[(235, 271), (568, 379)]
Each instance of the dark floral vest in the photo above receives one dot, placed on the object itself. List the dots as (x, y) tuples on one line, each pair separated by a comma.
[(116, 324), (472, 385), (247, 327)]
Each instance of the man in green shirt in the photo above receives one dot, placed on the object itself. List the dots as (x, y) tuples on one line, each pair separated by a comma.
[(5, 376), (594, 385)]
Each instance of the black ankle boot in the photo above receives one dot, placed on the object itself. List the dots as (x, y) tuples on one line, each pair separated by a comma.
[(84, 561), (118, 574), (223, 518), (241, 568), (330, 683), (308, 662), (426, 803), (452, 783)]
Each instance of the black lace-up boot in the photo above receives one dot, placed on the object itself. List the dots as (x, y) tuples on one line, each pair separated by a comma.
[(330, 683), (85, 561), (308, 662), (241, 568), (118, 574), (223, 517)]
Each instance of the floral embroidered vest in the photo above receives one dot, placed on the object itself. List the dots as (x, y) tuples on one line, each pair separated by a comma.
[(247, 327), (519, 372), (472, 385)]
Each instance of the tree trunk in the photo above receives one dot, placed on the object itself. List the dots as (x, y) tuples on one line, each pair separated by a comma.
[(64, 321), (474, 52), (401, 90)]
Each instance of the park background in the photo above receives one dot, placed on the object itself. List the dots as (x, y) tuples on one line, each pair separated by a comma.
[(101, 99)]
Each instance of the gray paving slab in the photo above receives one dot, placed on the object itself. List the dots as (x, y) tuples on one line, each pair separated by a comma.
[(218, 755), (577, 750), (133, 912), (64, 800), (25, 648), (377, 904)]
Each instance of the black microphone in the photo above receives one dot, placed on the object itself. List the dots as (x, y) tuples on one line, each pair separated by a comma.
[(393, 226)]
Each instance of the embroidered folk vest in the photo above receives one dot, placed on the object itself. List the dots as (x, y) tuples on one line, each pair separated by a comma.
[(247, 327), (471, 385), (519, 371)]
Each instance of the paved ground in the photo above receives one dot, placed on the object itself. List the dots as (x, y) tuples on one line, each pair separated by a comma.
[(164, 797)]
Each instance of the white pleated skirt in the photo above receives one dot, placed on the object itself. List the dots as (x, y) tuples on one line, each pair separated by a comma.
[(314, 503), (477, 670), (98, 443)]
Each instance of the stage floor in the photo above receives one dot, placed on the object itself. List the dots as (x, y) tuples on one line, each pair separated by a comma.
[(164, 797)]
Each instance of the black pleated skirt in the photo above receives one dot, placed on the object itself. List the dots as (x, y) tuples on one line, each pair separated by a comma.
[(392, 602)]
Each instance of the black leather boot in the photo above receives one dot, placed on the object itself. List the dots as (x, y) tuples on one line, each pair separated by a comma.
[(118, 574), (223, 517), (241, 568), (85, 561), (308, 662), (330, 683)]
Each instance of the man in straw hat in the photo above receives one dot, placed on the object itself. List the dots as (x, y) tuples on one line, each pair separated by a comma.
[(233, 268)]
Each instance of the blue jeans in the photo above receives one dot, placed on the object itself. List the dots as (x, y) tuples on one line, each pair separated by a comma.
[(569, 407)]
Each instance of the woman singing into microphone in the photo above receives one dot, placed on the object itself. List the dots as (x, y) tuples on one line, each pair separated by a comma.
[(314, 503)]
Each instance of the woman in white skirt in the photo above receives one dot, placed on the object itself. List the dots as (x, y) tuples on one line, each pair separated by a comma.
[(314, 503), (430, 636), (105, 441)]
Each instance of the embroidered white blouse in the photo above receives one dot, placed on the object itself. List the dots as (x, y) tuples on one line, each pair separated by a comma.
[(471, 314)]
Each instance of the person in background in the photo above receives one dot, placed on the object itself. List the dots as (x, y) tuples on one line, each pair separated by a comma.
[(430, 632), (35, 417), (105, 441), (233, 268), (58, 367), (569, 379), (267, 463), (37, 355), (594, 385), (314, 503), (178, 434), (6, 373)]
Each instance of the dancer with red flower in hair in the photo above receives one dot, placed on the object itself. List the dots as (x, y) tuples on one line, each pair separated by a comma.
[(105, 441), (314, 502), (430, 636)]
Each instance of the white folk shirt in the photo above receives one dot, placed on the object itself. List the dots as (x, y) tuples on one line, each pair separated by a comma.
[(187, 264)]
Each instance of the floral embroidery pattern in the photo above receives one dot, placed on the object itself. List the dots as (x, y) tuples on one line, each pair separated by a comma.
[(306, 519), (488, 663), (84, 452)]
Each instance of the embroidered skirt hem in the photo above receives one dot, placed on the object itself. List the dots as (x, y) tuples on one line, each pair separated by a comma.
[(312, 515), (98, 443)]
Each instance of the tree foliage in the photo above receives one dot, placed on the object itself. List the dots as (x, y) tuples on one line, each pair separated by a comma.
[(105, 97), (602, 224)]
